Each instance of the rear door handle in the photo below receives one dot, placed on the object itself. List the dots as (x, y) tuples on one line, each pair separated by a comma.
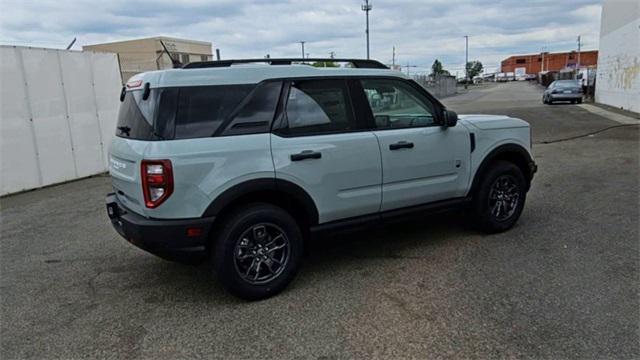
[(306, 154), (401, 145)]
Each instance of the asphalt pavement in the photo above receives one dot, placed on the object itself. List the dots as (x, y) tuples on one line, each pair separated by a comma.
[(562, 284)]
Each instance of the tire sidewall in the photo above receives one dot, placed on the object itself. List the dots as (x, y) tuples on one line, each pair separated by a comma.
[(225, 243), (484, 218)]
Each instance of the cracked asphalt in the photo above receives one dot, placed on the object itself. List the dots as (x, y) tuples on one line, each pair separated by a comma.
[(562, 284)]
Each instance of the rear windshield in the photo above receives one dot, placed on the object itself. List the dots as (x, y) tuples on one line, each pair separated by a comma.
[(567, 84), (135, 119), (198, 111)]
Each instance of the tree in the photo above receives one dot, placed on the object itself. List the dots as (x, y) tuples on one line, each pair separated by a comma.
[(437, 69), (330, 64), (474, 68)]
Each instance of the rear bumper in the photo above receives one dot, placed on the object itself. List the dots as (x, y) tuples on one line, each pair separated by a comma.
[(566, 97), (172, 239)]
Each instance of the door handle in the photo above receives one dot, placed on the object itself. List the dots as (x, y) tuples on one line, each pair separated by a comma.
[(306, 154), (401, 145)]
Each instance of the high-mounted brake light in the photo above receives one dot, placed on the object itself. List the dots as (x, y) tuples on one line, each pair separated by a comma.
[(134, 84), (157, 181)]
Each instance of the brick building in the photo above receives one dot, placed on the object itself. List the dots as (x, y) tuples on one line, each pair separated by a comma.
[(552, 61)]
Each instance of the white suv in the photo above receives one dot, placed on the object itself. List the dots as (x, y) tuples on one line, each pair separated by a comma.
[(239, 162)]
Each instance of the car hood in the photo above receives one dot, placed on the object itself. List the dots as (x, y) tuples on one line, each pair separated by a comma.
[(490, 122)]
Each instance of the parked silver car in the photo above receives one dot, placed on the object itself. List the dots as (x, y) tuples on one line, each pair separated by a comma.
[(563, 90)]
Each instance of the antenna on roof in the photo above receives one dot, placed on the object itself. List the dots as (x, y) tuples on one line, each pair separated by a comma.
[(175, 62), (71, 43)]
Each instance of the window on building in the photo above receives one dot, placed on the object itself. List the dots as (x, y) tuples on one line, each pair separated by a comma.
[(521, 61), (184, 58), (539, 59), (204, 57)]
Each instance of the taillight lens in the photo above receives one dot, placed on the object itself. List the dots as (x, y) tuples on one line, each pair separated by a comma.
[(157, 181)]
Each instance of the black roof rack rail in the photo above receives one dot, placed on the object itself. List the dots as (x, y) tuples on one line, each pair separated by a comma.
[(357, 63)]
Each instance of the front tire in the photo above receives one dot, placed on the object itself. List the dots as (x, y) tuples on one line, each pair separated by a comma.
[(500, 197), (258, 251)]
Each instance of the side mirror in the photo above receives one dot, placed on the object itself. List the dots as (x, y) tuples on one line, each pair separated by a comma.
[(450, 118)]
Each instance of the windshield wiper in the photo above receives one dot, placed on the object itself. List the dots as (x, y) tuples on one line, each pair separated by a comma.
[(125, 130)]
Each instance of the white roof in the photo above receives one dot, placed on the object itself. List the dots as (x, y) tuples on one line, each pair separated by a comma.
[(249, 74)]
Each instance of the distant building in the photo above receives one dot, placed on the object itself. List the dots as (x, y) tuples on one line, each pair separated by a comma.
[(533, 63), (147, 54), (618, 79)]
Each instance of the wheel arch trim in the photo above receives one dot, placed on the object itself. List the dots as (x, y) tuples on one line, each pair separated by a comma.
[(264, 185), (498, 152)]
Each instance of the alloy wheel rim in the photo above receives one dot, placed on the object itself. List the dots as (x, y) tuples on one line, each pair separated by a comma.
[(261, 253), (504, 197)]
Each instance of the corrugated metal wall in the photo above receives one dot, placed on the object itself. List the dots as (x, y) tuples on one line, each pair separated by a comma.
[(58, 111)]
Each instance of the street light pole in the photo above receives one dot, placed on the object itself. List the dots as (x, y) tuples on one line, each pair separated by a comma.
[(366, 7), (302, 43), (466, 61)]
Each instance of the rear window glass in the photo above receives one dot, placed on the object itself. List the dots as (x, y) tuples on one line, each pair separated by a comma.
[(135, 118), (567, 84), (202, 109)]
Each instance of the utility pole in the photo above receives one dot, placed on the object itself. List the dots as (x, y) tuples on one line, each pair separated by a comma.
[(302, 43), (409, 66), (366, 7), (466, 61), (578, 64), (393, 58), (542, 65)]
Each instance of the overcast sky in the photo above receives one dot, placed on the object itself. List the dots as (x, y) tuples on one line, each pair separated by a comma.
[(421, 31)]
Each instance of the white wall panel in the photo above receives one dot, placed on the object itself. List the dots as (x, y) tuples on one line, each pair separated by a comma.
[(18, 155), (58, 114), (106, 77), (83, 118)]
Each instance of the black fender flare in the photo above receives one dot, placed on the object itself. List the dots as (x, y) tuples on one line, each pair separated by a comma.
[(264, 185), (508, 151)]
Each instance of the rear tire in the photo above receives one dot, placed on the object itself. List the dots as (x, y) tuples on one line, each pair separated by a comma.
[(258, 251), (500, 197)]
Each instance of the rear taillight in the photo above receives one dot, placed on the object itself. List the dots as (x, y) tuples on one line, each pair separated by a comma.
[(157, 181)]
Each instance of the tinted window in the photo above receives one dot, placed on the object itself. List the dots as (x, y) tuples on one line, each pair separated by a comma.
[(319, 106), (567, 84), (201, 109), (396, 104), (256, 114), (135, 118)]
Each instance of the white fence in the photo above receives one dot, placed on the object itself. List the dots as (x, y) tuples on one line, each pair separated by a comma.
[(57, 115)]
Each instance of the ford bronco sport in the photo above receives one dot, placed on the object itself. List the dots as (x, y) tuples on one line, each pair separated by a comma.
[(238, 162)]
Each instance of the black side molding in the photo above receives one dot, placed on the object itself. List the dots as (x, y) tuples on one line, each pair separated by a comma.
[(391, 216), (472, 140)]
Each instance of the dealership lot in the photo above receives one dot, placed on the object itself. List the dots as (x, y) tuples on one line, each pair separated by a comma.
[(563, 283)]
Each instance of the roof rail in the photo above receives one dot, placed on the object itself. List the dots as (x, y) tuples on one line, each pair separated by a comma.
[(357, 63)]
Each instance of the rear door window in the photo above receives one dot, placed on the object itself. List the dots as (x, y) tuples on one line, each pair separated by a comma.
[(202, 109), (319, 106)]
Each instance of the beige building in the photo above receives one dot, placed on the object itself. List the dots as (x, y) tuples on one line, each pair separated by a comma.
[(147, 54)]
